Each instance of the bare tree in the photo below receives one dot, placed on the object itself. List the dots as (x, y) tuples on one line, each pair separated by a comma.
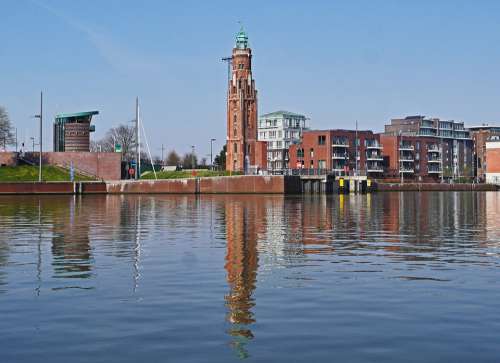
[(123, 135), (173, 159), (188, 159), (6, 134)]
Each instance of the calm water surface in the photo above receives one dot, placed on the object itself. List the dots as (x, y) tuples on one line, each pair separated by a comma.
[(392, 277)]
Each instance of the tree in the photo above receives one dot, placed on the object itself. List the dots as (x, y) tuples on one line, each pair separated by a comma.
[(220, 160), (173, 159), (123, 135), (188, 159), (6, 134)]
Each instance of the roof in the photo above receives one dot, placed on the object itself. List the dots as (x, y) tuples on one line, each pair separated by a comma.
[(282, 113), (77, 114), (484, 127)]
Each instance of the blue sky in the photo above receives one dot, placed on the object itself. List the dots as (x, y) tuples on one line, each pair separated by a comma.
[(335, 61)]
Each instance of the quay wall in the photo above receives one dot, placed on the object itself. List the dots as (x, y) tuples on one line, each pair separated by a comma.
[(52, 188), (421, 187)]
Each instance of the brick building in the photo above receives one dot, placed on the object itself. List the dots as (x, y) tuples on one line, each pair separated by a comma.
[(244, 152), (421, 148), (335, 151), (72, 131), (480, 135), (493, 157)]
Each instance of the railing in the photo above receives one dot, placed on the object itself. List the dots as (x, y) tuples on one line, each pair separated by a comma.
[(340, 143), (373, 145), (340, 156), (406, 147)]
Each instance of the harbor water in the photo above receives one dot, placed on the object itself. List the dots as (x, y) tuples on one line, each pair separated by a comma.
[(392, 277)]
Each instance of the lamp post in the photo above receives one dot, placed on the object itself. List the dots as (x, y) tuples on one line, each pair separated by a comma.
[(211, 154), (40, 116)]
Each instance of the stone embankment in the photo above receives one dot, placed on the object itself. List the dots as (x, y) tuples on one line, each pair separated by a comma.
[(215, 185)]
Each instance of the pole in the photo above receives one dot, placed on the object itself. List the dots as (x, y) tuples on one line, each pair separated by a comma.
[(192, 157), (356, 174), (137, 140), (211, 154), (162, 149), (16, 139), (41, 123)]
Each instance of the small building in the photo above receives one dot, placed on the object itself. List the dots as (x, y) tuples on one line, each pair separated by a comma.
[(340, 152), (279, 130), (493, 160), (72, 131), (480, 135)]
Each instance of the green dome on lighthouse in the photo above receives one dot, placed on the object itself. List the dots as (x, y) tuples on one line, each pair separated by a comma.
[(241, 39)]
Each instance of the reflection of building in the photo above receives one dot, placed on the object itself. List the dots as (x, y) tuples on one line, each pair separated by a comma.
[(72, 131), (70, 242), (244, 152), (279, 130), (242, 221)]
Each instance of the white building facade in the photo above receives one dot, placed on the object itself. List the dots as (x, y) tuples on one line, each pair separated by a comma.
[(280, 129)]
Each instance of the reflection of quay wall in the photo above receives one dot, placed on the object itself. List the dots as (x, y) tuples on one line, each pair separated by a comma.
[(383, 187)]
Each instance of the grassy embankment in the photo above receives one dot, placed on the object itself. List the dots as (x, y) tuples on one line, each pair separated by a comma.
[(185, 174), (28, 173)]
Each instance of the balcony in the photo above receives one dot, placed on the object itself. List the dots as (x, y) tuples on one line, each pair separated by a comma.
[(374, 157), (407, 171), (433, 149), (340, 156), (375, 169), (434, 171), (340, 143), (406, 159), (433, 160), (374, 145), (406, 147)]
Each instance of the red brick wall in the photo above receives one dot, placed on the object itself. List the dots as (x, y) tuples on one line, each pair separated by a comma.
[(493, 160), (105, 166), (7, 159)]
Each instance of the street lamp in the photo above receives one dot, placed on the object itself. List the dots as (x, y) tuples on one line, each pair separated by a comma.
[(211, 154), (40, 116)]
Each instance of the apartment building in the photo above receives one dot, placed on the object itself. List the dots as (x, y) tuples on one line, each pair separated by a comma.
[(341, 152), (421, 148), (279, 130)]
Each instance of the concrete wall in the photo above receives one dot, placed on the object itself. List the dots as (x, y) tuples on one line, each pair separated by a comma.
[(169, 186), (421, 187), (106, 166)]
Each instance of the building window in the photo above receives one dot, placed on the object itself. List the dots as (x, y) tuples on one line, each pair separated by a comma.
[(312, 164), (235, 147), (321, 164), (311, 152), (300, 153), (240, 66), (321, 140)]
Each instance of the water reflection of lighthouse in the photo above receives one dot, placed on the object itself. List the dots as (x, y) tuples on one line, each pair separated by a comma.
[(241, 266)]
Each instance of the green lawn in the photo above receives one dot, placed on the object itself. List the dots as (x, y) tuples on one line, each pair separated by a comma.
[(185, 174), (26, 173)]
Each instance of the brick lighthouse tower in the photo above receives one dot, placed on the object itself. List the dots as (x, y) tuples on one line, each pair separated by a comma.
[(244, 152)]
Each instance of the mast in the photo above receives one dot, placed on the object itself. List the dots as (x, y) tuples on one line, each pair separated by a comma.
[(137, 140)]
